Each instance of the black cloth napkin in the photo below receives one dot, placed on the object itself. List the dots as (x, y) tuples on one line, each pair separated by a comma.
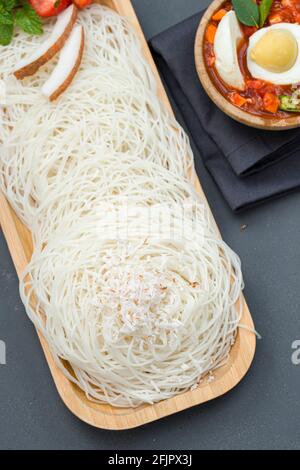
[(249, 165)]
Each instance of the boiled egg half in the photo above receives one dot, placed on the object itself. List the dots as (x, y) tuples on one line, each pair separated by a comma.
[(226, 42), (273, 54)]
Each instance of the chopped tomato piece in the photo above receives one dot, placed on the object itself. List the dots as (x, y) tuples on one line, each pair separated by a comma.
[(297, 17), (210, 33), (275, 18), (47, 8), (237, 99), (82, 3), (288, 3), (271, 102), (267, 88), (219, 15), (255, 84)]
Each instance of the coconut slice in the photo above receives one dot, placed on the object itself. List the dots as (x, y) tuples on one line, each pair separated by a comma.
[(67, 66), (47, 50)]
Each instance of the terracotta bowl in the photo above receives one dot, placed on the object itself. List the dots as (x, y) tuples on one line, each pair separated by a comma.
[(228, 108)]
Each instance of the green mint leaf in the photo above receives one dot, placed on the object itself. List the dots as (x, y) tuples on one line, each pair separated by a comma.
[(10, 4), (6, 34), (264, 10), (28, 20), (247, 12), (57, 3), (6, 17)]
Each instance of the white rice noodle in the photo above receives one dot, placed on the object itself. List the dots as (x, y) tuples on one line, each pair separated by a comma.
[(129, 281)]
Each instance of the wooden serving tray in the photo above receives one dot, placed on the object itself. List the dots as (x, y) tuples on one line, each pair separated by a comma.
[(105, 416)]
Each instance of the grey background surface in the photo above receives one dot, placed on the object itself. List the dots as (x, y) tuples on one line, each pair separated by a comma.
[(262, 412)]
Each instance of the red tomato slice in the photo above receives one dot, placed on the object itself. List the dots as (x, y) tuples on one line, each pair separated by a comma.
[(255, 84), (47, 8), (271, 102), (82, 3)]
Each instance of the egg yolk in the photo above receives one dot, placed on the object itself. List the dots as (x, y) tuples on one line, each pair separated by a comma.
[(276, 51)]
